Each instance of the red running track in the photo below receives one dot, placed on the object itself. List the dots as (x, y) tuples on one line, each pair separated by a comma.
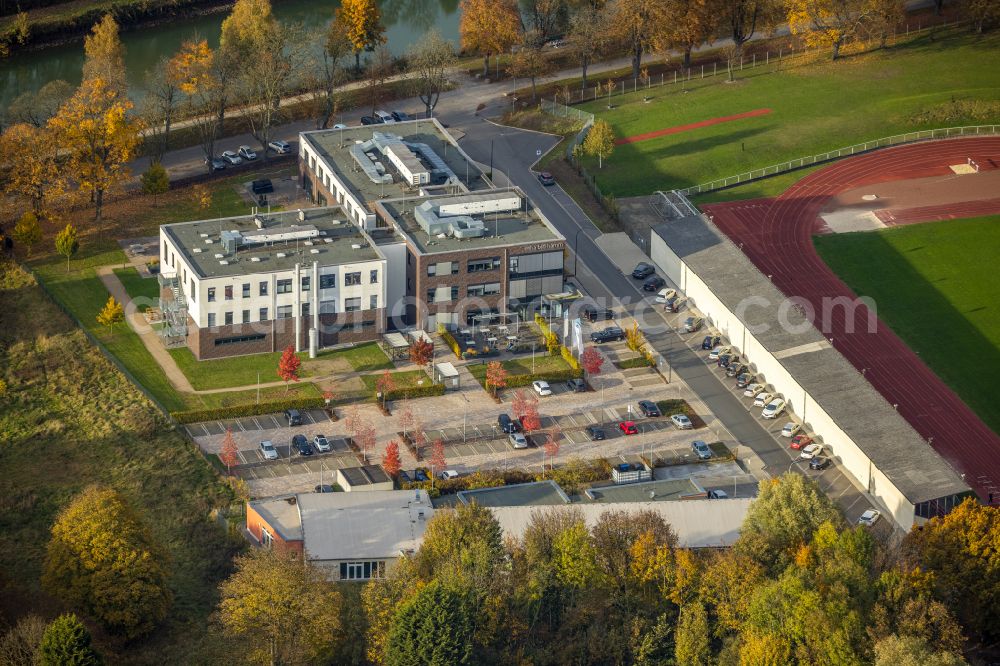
[(684, 128), (951, 211), (776, 234)]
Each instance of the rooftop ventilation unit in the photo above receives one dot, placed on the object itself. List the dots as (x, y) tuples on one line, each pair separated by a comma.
[(209, 241), (302, 215), (255, 259), (197, 250), (308, 243), (219, 255), (313, 251), (231, 240), (327, 240), (280, 234), (356, 246), (223, 263), (281, 255), (203, 235)]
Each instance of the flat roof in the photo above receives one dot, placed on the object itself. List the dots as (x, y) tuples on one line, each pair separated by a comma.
[(662, 491), (537, 493), (282, 514), (369, 525), (334, 146), (325, 235), (364, 476), (888, 440), (697, 523), (525, 226)]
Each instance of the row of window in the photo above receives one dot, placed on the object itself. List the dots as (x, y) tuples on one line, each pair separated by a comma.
[(285, 286), (444, 294), (286, 311), (253, 337), (362, 570)]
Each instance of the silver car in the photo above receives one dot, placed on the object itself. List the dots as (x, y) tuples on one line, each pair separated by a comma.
[(681, 421), (517, 440), (321, 443), (268, 451), (232, 157), (701, 448)]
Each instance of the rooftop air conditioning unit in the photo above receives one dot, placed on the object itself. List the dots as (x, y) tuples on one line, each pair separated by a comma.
[(259, 221), (308, 243), (255, 259), (302, 215), (327, 240), (280, 255), (197, 250), (314, 251), (355, 246), (223, 263), (209, 241), (203, 235), (219, 256)]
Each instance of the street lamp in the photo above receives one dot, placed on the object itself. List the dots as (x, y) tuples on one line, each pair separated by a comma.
[(576, 237)]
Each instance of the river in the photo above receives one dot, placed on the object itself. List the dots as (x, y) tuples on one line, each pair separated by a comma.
[(406, 21)]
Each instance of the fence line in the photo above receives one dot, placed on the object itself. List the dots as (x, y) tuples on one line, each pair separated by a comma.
[(856, 149)]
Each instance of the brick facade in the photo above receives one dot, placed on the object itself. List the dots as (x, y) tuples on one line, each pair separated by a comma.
[(256, 525)]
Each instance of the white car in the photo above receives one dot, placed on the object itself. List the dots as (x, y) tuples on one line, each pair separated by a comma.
[(339, 126), (448, 474), (762, 399), (321, 443), (717, 352), (681, 422), (811, 451), (541, 387), (665, 294), (517, 440), (752, 390), (280, 147), (790, 429), (385, 116), (869, 517), (247, 153), (232, 157), (773, 409), (268, 451)]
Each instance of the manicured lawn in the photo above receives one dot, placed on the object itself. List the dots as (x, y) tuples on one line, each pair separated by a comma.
[(366, 357), (143, 291), (758, 189), (228, 398), (403, 380), (934, 284), (233, 371), (522, 366), (815, 108)]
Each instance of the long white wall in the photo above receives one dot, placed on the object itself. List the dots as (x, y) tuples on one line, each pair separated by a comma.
[(852, 458)]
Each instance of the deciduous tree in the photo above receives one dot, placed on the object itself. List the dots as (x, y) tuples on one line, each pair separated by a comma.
[(463, 546), (284, 608), (429, 61), (19, 644), (67, 243), (496, 377), (692, 23), (102, 559), (742, 19), (27, 231), (529, 63), (384, 385), (159, 106), (195, 68), (361, 21), (591, 361), (984, 14), (636, 24), (552, 444), (421, 352), (434, 627), (600, 142), (691, 639), (589, 31), (525, 408), (391, 462), (112, 313), (36, 107), (437, 461), (155, 180), (884, 18), (229, 453), (489, 27), (913, 651), (28, 155), (634, 339), (832, 23), (67, 641), (657, 645), (378, 69), (325, 72), (288, 365), (104, 56)]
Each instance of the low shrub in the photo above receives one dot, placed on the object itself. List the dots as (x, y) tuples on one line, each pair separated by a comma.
[(249, 409), (416, 392), (569, 358), (637, 362), (517, 381), (449, 340)]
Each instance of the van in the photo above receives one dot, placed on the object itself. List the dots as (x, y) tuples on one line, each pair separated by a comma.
[(448, 474)]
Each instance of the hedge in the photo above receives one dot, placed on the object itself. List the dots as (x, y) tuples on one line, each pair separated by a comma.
[(569, 358), (516, 381), (637, 362), (249, 409), (449, 340), (416, 392)]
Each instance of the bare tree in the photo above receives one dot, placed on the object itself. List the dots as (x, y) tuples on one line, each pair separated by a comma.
[(430, 59), (158, 107), (377, 70), (324, 71), (35, 108)]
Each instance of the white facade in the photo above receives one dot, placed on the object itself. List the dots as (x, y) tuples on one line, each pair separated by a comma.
[(355, 208)]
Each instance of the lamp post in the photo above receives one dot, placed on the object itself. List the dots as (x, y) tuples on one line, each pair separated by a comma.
[(576, 237), (533, 357)]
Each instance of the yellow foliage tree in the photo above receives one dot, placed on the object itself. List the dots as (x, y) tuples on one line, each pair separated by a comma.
[(247, 28), (193, 69), (112, 313), (104, 55), (27, 232), (692, 23), (489, 27), (637, 24), (29, 157), (600, 142), (98, 136), (832, 23), (361, 23)]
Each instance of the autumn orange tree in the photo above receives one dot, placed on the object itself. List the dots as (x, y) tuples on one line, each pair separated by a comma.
[(828, 23), (421, 352), (489, 27), (589, 31), (496, 377), (384, 385), (591, 361), (193, 70), (636, 24), (391, 462), (228, 454), (361, 23), (529, 63), (288, 365), (437, 460), (692, 23), (104, 55), (99, 137), (28, 155)]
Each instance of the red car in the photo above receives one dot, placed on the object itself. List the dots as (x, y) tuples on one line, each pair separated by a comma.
[(801, 441), (628, 427)]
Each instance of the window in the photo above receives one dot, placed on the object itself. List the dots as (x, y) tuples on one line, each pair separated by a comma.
[(305, 309), (442, 294), (228, 292), (360, 570), (246, 290), (284, 311), (246, 316), (266, 538), (373, 304), (194, 292), (487, 264), (306, 281), (284, 286), (227, 317), (211, 294), (263, 289), (263, 314), (352, 304), (328, 281), (211, 319), (488, 289), (352, 279), (373, 277), (253, 337)]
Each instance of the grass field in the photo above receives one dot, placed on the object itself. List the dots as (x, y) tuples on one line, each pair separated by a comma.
[(919, 84), (934, 284)]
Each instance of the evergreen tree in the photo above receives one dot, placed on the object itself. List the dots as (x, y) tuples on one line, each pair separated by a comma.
[(66, 642), (433, 628)]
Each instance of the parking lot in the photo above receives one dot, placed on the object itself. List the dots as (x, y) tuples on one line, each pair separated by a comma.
[(263, 422)]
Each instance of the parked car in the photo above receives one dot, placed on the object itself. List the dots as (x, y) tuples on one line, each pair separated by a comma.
[(590, 313), (546, 179), (231, 157), (403, 476), (628, 427), (247, 153), (717, 494), (811, 451), (541, 387), (322, 444), (692, 324), (448, 474), (262, 186), (735, 370), (596, 433), (420, 475), (665, 294), (701, 449), (517, 440), (790, 429), (717, 352), (649, 408), (763, 399), (268, 451), (653, 282), (576, 385), (725, 359), (301, 444), (710, 341), (215, 163), (681, 421), (773, 409), (339, 126), (280, 147), (642, 271), (753, 390), (369, 120), (611, 333), (673, 304), (800, 441), (507, 424), (869, 517), (819, 463), (401, 116), (385, 117), (293, 417), (324, 488)]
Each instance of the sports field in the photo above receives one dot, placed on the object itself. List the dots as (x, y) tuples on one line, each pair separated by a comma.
[(935, 285), (921, 84)]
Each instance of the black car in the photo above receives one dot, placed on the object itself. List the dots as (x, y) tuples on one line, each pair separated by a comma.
[(596, 433), (642, 271), (403, 476), (301, 444), (293, 417), (735, 369), (710, 342), (649, 408), (401, 116), (323, 489), (819, 462), (507, 424), (607, 335), (576, 385), (673, 304), (591, 313), (725, 360), (215, 163), (653, 283), (545, 178), (262, 186), (744, 380), (370, 120)]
